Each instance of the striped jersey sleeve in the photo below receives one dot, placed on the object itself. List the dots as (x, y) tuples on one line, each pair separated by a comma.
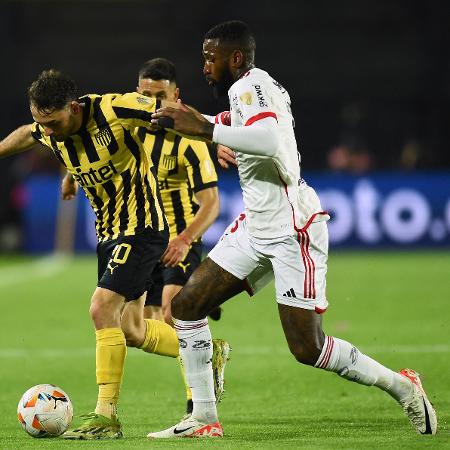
[(199, 166), (134, 110)]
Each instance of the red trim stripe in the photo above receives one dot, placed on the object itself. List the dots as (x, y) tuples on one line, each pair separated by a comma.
[(190, 327), (306, 265), (326, 357), (312, 282), (260, 116)]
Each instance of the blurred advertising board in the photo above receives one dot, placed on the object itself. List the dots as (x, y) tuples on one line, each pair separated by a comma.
[(380, 210)]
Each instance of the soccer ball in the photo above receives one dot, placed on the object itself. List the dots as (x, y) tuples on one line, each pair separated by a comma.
[(45, 410)]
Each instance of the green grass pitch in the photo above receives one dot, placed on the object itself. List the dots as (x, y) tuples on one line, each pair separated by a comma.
[(393, 306)]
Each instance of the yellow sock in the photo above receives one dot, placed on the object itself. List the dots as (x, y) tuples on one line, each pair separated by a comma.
[(111, 350), (160, 338), (183, 374)]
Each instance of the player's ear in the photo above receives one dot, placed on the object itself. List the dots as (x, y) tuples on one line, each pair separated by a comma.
[(237, 58), (74, 107), (177, 94)]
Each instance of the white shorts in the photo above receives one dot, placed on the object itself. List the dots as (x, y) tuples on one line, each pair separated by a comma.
[(298, 263)]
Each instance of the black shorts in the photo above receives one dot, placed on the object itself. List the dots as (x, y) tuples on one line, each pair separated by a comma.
[(178, 275), (125, 264)]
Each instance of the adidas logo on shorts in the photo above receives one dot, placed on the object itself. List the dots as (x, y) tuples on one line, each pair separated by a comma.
[(290, 293)]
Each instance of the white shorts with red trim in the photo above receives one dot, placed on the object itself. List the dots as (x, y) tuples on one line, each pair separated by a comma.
[(297, 263)]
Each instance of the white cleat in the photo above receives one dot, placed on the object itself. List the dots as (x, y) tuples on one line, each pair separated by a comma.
[(189, 428), (417, 406), (221, 352)]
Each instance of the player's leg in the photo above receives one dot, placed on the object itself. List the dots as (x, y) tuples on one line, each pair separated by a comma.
[(302, 325), (153, 312), (124, 265), (150, 335), (218, 278)]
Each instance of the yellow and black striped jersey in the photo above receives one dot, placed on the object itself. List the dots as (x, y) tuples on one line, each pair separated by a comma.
[(184, 167), (109, 162)]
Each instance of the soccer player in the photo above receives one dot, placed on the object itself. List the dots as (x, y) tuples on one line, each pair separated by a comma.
[(283, 227), (94, 138), (188, 185)]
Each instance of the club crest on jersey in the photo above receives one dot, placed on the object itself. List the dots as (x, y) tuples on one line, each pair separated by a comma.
[(103, 137), (169, 162), (246, 98), (259, 95)]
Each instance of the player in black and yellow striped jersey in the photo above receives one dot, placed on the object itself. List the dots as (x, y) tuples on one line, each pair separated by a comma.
[(188, 184), (93, 137)]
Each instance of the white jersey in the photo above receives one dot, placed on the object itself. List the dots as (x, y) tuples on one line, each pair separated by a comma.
[(269, 184)]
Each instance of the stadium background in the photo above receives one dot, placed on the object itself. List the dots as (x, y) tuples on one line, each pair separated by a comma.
[(370, 88), (369, 83)]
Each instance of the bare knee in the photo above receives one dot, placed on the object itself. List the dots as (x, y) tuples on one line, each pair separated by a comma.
[(105, 309)]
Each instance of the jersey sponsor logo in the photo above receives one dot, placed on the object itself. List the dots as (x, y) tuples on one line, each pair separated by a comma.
[(103, 137), (259, 95), (169, 162), (95, 176), (246, 98), (235, 106), (279, 86)]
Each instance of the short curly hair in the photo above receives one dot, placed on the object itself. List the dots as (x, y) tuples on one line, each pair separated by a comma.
[(52, 91), (159, 69), (234, 33)]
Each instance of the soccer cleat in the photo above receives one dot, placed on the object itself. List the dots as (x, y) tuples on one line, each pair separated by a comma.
[(417, 406), (189, 428), (96, 426), (221, 351)]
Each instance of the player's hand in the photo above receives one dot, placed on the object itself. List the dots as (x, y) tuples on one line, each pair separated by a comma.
[(186, 120), (176, 251), (69, 188), (225, 156)]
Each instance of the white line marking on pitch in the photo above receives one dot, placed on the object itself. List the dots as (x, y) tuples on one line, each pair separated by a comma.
[(244, 350), (36, 269)]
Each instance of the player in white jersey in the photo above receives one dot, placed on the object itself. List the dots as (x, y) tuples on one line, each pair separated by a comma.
[(282, 230)]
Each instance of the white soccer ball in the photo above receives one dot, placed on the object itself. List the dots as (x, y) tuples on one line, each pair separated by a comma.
[(45, 410)]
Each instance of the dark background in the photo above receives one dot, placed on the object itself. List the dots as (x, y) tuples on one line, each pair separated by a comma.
[(369, 80), (373, 74)]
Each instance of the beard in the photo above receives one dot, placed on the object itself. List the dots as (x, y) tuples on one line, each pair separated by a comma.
[(220, 88)]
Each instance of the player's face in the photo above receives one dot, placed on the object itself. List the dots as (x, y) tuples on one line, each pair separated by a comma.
[(60, 123), (159, 89), (217, 67)]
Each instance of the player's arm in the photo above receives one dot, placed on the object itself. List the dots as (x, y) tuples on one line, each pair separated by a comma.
[(209, 207), (259, 136), (18, 141), (69, 187)]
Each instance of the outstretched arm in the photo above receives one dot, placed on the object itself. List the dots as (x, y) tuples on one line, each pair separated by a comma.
[(260, 138), (16, 142)]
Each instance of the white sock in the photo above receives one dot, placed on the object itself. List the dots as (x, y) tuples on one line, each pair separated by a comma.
[(348, 362), (196, 353)]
